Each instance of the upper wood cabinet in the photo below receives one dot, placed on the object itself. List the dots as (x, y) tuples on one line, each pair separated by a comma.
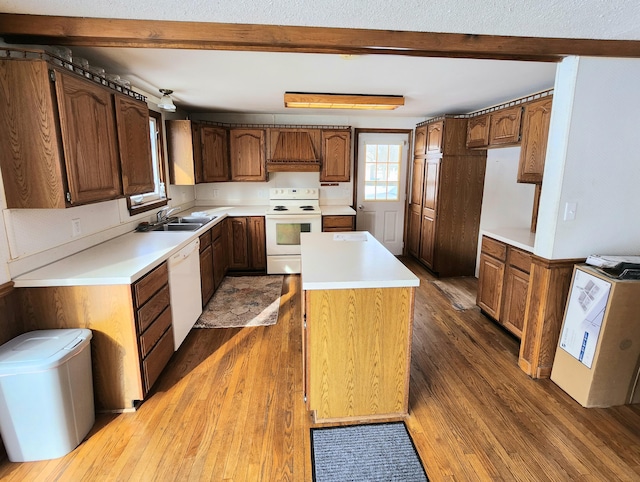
[(435, 135), (135, 156), (336, 156), (197, 152), (478, 131), (59, 146), (247, 153), (420, 146), (214, 148), (505, 126), (535, 129), (499, 128)]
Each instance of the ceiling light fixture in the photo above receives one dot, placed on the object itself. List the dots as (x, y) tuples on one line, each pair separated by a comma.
[(166, 103), (342, 101)]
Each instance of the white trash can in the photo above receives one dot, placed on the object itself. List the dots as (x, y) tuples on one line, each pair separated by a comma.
[(46, 393)]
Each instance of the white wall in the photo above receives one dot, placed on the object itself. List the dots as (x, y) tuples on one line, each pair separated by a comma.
[(592, 160)]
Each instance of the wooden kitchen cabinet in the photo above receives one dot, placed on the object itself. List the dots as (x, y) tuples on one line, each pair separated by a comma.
[(336, 156), (503, 283), (207, 286), (505, 126), (420, 145), (131, 325), (478, 131), (132, 118), (197, 152), (58, 145), (247, 154), (535, 132), (247, 244), (446, 199), (338, 223)]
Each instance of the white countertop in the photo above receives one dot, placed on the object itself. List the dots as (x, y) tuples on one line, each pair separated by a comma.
[(329, 263), (337, 210), (521, 238), (126, 258)]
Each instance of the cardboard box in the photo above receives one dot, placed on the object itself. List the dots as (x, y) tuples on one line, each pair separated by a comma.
[(604, 371)]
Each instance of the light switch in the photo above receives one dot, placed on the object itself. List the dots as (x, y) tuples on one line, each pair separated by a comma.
[(570, 211)]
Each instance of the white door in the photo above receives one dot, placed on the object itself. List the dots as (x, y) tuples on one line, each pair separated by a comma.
[(382, 168)]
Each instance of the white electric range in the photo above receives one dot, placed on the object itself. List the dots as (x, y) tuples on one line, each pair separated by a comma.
[(291, 211)]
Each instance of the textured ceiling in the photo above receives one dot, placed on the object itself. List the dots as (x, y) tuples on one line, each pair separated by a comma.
[(219, 81)]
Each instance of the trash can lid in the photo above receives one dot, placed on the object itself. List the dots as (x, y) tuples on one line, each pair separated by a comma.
[(41, 350)]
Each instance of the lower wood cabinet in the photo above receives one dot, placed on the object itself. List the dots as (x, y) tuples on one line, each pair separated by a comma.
[(247, 244), (131, 325), (503, 283), (338, 223), (214, 261), (206, 268)]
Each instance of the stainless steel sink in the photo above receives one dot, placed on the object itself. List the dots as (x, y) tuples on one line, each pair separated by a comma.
[(196, 219), (178, 227)]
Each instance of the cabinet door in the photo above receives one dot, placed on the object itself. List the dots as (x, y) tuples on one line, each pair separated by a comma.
[(257, 243), (431, 176), (206, 274), (420, 147), (88, 126), (505, 126), (427, 239), (434, 137), (478, 131), (215, 154), (413, 231), (134, 143), (515, 300), (490, 282), (336, 156), (247, 153), (238, 244), (535, 131), (219, 262), (417, 181)]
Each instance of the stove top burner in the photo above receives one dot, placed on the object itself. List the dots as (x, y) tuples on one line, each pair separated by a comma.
[(307, 208), (280, 208)]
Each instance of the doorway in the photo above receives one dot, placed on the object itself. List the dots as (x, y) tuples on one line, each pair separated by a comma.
[(382, 160)]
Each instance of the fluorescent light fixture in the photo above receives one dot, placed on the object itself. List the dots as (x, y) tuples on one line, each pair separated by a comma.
[(342, 101), (165, 101)]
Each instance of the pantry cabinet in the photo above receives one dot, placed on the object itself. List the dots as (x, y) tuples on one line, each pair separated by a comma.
[(247, 244), (503, 283), (58, 140), (247, 154), (537, 116), (336, 156), (446, 199)]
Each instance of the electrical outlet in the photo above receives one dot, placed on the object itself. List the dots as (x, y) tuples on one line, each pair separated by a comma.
[(216, 193), (570, 211), (76, 230)]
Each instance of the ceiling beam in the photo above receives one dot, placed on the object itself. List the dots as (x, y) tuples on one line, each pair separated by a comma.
[(102, 32)]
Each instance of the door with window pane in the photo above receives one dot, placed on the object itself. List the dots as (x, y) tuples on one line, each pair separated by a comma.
[(382, 167)]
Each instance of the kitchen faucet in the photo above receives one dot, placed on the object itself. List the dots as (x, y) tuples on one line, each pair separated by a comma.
[(163, 214)]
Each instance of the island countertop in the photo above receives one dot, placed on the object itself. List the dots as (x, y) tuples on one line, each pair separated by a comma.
[(346, 260)]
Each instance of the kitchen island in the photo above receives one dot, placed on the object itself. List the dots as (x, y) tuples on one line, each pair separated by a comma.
[(357, 327)]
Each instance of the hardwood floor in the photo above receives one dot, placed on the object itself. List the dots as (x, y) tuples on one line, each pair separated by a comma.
[(229, 407)]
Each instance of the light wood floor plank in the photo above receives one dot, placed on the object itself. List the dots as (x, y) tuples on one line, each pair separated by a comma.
[(229, 406)]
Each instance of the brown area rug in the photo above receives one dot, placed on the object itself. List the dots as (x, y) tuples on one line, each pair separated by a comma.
[(243, 301), (460, 291)]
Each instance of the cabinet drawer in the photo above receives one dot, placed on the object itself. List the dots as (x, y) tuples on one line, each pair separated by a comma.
[(152, 309), (494, 248), (151, 336), (217, 231), (152, 282), (520, 259), (337, 223), (205, 240), (157, 359)]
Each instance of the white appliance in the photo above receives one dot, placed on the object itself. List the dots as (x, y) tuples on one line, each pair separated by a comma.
[(291, 211), (184, 290)]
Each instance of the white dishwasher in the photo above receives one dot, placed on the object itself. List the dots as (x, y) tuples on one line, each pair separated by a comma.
[(184, 289)]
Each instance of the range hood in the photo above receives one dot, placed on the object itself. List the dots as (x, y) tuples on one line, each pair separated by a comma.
[(293, 151)]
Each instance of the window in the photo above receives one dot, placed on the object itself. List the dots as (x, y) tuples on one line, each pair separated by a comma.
[(382, 172), (145, 202)]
